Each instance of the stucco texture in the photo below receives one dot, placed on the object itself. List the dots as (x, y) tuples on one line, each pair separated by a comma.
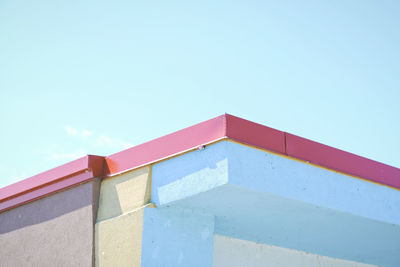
[(53, 231), (234, 252), (124, 193), (119, 240), (119, 224)]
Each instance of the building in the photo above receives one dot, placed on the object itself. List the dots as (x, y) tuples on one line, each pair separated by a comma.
[(225, 192)]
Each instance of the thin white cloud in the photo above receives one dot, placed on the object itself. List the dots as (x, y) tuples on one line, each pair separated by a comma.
[(97, 139), (127, 145), (105, 140), (70, 130), (86, 133), (17, 178), (68, 156), (75, 132), (13, 179)]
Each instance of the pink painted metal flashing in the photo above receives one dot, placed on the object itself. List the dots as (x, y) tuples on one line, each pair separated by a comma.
[(230, 127), (51, 181), (223, 127)]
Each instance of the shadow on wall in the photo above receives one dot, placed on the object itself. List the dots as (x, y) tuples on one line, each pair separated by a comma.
[(124, 193), (47, 208)]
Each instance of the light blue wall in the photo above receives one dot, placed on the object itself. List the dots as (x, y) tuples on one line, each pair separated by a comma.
[(177, 237), (227, 162), (189, 174), (262, 197), (266, 172)]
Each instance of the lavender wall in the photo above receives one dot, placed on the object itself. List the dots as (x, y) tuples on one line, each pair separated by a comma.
[(53, 231)]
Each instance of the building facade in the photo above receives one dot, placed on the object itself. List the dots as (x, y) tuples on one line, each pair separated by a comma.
[(225, 192)]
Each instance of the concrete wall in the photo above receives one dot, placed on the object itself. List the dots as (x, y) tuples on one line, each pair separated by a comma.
[(234, 252), (53, 231), (120, 218), (225, 205), (177, 237), (267, 198)]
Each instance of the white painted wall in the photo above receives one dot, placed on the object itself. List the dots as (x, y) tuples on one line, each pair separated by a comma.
[(234, 252)]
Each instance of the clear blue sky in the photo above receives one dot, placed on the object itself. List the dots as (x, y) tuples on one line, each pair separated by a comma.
[(80, 77)]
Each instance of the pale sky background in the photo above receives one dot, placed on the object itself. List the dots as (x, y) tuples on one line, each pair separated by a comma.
[(95, 77)]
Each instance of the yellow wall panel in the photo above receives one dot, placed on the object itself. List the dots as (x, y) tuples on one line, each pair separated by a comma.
[(124, 193), (119, 240)]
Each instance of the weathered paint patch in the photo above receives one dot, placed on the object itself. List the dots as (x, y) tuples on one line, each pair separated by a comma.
[(176, 237), (234, 252), (124, 193), (119, 240)]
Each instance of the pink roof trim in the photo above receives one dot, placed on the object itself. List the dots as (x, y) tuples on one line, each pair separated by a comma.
[(339, 160), (167, 146), (222, 127), (45, 190), (53, 180), (254, 134)]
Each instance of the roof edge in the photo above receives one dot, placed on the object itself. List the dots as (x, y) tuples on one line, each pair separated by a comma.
[(342, 161), (53, 180), (166, 146), (222, 127)]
